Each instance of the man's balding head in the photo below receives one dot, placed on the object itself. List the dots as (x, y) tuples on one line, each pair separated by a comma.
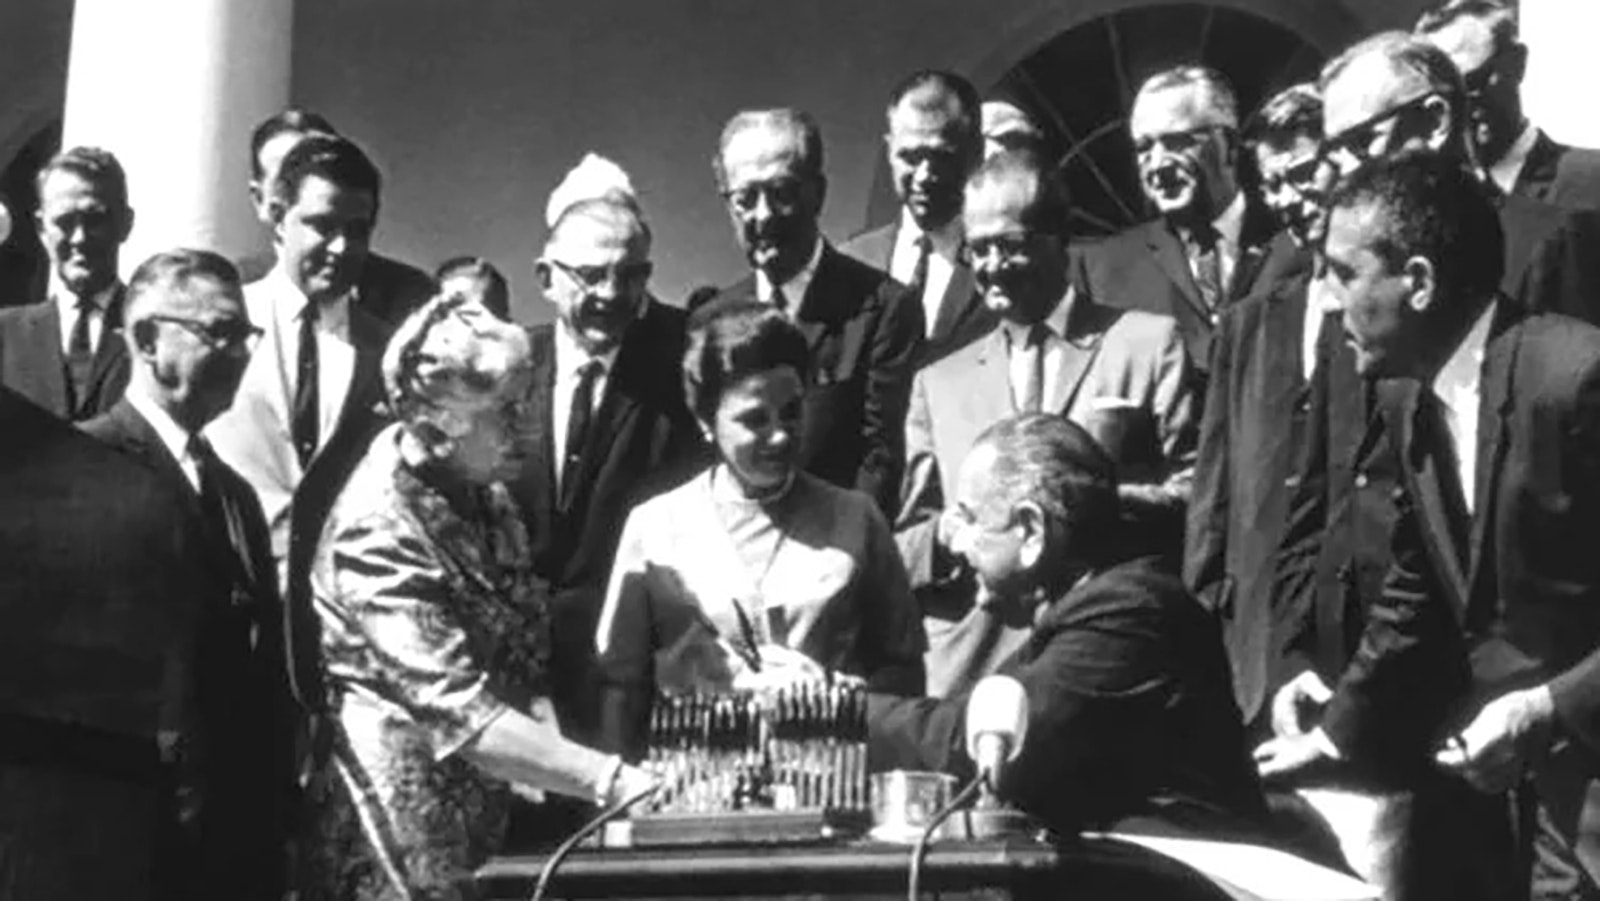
[(596, 270), (769, 171), (1185, 131), (1392, 93)]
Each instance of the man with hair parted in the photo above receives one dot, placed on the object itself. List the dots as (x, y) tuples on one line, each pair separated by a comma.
[(63, 353), (1479, 659), (1480, 37), (933, 143), (189, 339), (1255, 413), (1121, 374), (864, 330), (387, 288), (1130, 718), (614, 427), (1210, 243)]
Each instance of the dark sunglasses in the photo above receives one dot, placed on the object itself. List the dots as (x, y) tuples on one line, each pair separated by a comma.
[(1356, 142), (220, 334)]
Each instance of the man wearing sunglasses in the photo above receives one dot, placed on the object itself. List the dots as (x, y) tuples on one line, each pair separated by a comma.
[(1120, 374), (189, 339), (864, 329), (1255, 415), (1211, 244), (615, 429), (1480, 37)]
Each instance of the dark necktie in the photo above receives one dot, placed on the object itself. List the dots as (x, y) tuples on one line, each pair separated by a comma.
[(919, 272), (212, 505), (80, 352), (304, 425), (578, 424), (1200, 243), (1033, 384), (778, 301)]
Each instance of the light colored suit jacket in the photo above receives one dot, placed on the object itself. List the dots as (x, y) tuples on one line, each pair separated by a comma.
[(1125, 379)]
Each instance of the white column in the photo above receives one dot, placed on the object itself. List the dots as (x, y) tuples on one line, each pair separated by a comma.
[(173, 87), (1562, 67)]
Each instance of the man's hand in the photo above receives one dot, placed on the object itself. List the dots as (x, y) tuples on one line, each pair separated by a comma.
[(1288, 755), (1296, 701), (781, 667), (1496, 747)]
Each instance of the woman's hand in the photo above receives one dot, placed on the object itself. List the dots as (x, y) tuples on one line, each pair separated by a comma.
[(781, 667), (630, 782)]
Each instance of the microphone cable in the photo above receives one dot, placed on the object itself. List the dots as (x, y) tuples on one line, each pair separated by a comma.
[(590, 828), (920, 850)]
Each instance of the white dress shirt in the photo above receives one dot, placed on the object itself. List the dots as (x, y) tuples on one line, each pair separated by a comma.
[(794, 290), (173, 436), (336, 355), (1509, 168), (1459, 388), (943, 246), (1319, 303), (1054, 347), (67, 303), (570, 360)]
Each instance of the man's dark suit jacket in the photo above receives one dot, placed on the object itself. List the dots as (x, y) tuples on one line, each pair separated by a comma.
[(31, 362), (864, 331), (1509, 597), (1250, 440), (642, 441), (1145, 268), (1568, 177), (388, 289), (962, 319), (247, 713), (99, 628), (1130, 713)]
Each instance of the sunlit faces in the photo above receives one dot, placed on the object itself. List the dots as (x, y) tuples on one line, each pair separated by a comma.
[(757, 425), (1373, 110), (987, 532), (931, 152), (497, 436), (1021, 273), (1289, 185), (199, 340), (1184, 149), (596, 270), (773, 202), (82, 227), (323, 236), (1383, 306), (1493, 79)]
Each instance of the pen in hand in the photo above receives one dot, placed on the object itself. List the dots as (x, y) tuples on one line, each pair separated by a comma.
[(751, 650)]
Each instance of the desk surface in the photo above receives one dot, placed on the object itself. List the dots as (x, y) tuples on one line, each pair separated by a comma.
[(1093, 868)]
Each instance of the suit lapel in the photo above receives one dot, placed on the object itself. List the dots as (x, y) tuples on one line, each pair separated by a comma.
[(811, 313), (1495, 393), (107, 355), (1169, 256), (1086, 325), (1539, 168), (369, 336), (539, 477), (989, 398), (617, 409), (959, 303), (1433, 511), (41, 338)]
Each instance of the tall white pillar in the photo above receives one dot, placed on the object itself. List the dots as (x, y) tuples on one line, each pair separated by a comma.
[(1562, 67), (173, 87)]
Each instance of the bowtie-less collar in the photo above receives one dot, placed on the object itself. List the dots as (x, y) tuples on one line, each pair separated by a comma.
[(794, 290)]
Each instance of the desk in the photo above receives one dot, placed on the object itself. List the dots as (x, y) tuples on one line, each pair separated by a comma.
[(1085, 870)]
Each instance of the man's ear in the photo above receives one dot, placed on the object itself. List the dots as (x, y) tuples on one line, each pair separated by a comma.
[(541, 272), (1422, 281), (1030, 519), (142, 340), (1441, 120), (125, 227)]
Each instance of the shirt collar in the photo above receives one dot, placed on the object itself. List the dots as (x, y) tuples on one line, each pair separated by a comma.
[(1230, 224), (794, 290), (945, 240), (174, 436), (1055, 321), (332, 316), (1509, 168), (68, 302), (1464, 369), (570, 357)]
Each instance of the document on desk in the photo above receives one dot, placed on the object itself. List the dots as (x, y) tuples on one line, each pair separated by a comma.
[(1255, 873)]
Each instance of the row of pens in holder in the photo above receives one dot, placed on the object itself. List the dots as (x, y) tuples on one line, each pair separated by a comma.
[(803, 747)]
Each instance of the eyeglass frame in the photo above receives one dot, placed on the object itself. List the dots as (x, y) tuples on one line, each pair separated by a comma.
[(784, 195), (1293, 177), (249, 337), (1342, 142), (591, 277)]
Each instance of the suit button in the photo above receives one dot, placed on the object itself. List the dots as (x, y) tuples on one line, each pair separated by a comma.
[(1361, 480)]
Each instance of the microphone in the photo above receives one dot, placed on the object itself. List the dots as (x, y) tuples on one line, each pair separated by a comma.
[(997, 725)]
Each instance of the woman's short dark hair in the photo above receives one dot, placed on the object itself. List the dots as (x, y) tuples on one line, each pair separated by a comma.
[(496, 291), (729, 342)]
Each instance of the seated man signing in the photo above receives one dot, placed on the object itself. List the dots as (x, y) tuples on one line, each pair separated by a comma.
[(1131, 714)]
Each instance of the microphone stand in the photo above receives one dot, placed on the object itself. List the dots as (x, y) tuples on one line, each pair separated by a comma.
[(920, 850), (590, 828), (993, 818)]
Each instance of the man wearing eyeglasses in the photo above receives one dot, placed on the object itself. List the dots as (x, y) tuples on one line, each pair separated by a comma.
[(615, 429), (1211, 244), (190, 339), (1120, 374), (63, 353), (933, 144), (1255, 415), (864, 329), (1480, 37)]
